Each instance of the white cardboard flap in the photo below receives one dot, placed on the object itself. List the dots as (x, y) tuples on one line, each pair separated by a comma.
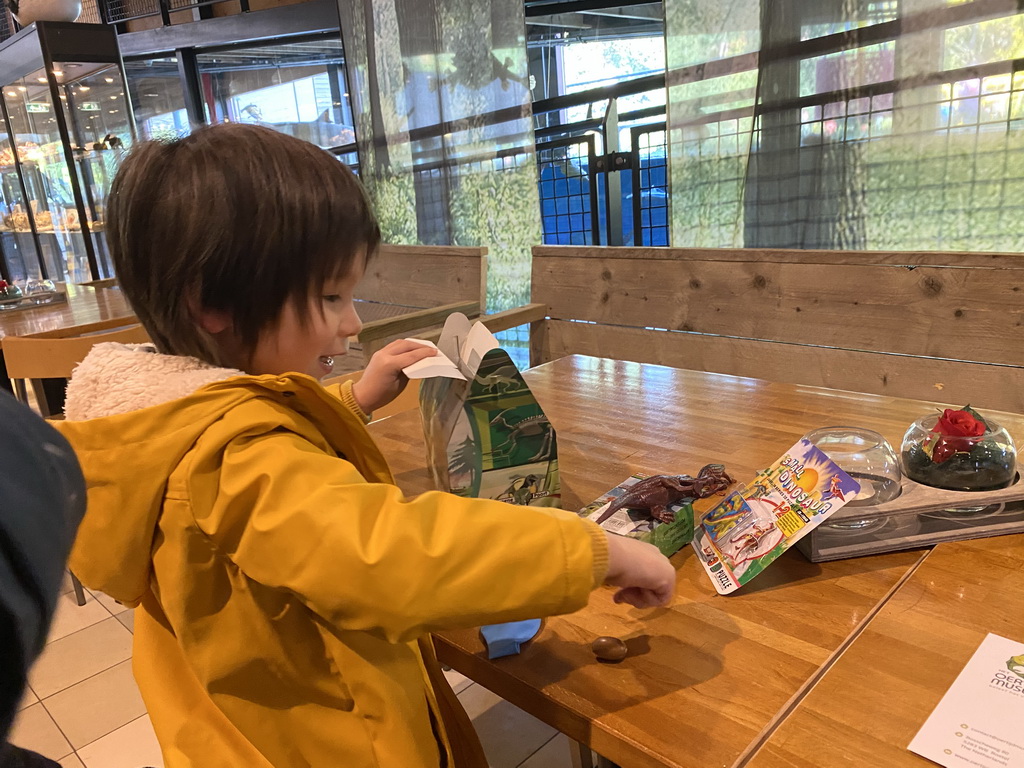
[(438, 365), (461, 348), (453, 335), (479, 342)]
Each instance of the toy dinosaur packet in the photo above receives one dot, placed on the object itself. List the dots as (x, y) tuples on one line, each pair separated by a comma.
[(751, 527), (486, 435), (657, 509)]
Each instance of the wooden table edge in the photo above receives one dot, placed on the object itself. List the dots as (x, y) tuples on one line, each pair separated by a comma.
[(790, 707)]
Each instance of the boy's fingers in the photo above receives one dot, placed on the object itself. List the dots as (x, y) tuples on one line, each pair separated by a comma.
[(641, 598), (400, 346), (405, 359)]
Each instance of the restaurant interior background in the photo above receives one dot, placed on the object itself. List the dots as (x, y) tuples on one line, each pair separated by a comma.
[(838, 124)]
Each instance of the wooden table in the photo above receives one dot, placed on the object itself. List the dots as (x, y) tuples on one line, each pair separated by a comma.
[(871, 703), (87, 309), (709, 677)]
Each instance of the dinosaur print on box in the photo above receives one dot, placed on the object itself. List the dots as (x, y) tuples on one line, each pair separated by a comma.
[(486, 435)]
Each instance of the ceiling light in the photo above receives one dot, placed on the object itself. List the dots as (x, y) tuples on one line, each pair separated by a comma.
[(108, 79), (83, 87), (12, 93), (22, 88)]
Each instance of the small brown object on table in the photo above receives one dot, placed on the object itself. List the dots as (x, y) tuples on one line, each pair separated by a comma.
[(708, 676), (609, 648)]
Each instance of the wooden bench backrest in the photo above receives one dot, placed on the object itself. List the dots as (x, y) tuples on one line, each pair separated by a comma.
[(425, 276), (937, 326)]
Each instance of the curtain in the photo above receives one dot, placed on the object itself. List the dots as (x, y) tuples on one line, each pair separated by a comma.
[(865, 124), (444, 127)]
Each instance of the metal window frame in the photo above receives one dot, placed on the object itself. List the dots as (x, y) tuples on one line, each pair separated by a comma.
[(592, 163), (635, 132)]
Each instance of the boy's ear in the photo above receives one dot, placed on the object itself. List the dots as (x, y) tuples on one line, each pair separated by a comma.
[(214, 321)]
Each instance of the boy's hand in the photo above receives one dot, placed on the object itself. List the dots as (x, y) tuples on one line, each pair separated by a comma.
[(383, 379), (646, 577)]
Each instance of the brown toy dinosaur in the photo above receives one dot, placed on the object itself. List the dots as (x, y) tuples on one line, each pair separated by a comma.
[(657, 492)]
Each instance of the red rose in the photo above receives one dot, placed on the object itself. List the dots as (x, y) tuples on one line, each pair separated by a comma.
[(956, 430), (958, 424)]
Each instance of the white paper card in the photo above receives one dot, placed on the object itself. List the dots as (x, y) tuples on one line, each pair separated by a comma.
[(980, 720)]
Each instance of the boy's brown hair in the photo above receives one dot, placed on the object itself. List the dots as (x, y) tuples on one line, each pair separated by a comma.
[(237, 219)]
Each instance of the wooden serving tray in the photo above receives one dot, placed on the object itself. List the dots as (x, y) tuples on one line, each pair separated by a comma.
[(920, 516)]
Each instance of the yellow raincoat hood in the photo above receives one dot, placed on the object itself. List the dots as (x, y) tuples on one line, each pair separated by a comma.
[(284, 583)]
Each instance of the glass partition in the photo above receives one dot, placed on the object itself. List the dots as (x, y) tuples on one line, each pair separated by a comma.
[(158, 98), (66, 183), (297, 88)]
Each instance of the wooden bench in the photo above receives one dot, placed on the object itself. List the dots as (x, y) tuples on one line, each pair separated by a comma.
[(932, 326)]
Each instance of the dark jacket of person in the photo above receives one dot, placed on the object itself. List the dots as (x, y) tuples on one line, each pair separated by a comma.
[(42, 500)]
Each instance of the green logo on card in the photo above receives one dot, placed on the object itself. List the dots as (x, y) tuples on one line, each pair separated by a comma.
[(1016, 665)]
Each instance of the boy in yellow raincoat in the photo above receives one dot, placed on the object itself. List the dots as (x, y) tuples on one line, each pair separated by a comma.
[(284, 586)]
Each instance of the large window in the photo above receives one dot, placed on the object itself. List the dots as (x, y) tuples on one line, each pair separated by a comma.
[(587, 65), (606, 56)]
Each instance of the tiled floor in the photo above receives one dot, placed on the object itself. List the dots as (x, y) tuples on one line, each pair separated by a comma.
[(83, 709)]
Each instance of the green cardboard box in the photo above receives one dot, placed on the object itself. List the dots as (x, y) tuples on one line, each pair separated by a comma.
[(486, 434)]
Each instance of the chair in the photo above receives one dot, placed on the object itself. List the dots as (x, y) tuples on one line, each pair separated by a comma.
[(36, 359)]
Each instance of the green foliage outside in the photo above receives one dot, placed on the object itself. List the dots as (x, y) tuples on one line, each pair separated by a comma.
[(958, 193), (961, 193), (394, 200), (501, 210)]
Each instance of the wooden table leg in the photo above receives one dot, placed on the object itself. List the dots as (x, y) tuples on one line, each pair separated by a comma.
[(583, 757), (580, 755)]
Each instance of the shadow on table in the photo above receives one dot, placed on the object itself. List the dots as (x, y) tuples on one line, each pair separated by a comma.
[(663, 657), (793, 568)]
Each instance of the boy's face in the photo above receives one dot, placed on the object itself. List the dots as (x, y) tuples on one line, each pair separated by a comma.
[(290, 346)]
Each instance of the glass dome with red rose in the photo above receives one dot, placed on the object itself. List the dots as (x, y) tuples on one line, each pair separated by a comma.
[(959, 449)]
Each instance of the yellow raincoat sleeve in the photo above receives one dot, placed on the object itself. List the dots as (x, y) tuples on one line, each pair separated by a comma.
[(344, 393), (363, 557)]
